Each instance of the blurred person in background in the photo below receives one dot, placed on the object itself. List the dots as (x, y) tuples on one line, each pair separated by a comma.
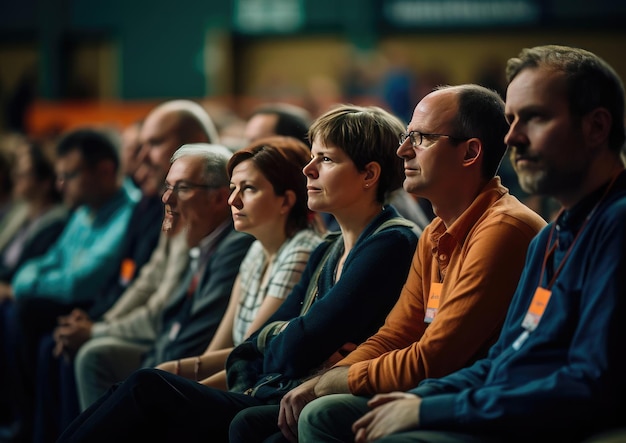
[(6, 185), (166, 128), (130, 160), (84, 257), (41, 218), (278, 119)]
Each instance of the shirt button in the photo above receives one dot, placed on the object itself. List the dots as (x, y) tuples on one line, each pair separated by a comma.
[(443, 257)]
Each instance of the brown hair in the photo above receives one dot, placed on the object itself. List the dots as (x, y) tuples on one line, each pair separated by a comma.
[(280, 160)]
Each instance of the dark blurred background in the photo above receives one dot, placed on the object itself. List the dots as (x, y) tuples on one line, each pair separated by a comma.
[(67, 62)]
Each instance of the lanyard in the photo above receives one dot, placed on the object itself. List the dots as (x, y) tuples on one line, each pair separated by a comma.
[(550, 249)]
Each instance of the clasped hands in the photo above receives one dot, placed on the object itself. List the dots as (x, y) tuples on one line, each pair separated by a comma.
[(72, 332)]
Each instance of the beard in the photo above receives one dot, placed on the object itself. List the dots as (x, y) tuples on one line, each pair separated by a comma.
[(549, 183)]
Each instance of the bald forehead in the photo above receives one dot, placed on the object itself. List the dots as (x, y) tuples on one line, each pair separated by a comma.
[(436, 110), (160, 122)]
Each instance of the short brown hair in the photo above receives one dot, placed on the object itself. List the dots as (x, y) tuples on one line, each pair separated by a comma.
[(366, 134)]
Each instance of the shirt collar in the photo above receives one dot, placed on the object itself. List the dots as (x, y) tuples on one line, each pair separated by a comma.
[(574, 217), (209, 242), (461, 227)]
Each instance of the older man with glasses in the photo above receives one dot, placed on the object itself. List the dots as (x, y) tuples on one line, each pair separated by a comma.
[(464, 272), (196, 192)]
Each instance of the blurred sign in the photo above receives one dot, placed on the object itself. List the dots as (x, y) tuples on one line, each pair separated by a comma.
[(268, 16), (442, 13)]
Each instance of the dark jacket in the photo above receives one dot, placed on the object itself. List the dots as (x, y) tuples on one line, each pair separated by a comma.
[(198, 316)]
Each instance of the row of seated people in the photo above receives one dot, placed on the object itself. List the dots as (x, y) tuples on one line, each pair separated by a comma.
[(486, 264), (86, 258), (443, 304), (469, 259), (119, 324)]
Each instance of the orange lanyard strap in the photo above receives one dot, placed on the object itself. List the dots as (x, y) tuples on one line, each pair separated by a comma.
[(550, 249)]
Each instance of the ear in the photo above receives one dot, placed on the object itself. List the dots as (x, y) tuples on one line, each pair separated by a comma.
[(473, 149), (371, 174), (289, 199), (596, 126)]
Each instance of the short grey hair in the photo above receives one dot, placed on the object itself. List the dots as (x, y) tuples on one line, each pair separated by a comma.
[(215, 158)]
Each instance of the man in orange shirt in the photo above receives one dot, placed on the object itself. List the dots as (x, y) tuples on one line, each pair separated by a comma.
[(464, 272)]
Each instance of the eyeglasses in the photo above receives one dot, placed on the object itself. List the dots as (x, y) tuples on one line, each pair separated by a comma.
[(418, 137), (184, 189)]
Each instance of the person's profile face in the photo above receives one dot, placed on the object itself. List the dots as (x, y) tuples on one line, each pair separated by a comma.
[(546, 143), (431, 168), (188, 198), (333, 181), (72, 179), (255, 207)]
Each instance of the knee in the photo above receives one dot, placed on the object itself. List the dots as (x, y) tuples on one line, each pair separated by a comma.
[(239, 427), (319, 409), (95, 355), (257, 423), (148, 380), (311, 416), (331, 415), (146, 375), (87, 356)]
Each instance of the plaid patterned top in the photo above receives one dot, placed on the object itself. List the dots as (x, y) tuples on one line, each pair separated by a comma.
[(286, 270)]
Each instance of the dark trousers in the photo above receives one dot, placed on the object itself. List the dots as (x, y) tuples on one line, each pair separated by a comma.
[(56, 399), (258, 424), (24, 322), (153, 405), (8, 368), (35, 317)]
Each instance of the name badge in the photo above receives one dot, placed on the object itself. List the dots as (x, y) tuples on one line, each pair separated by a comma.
[(127, 270), (536, 309), (433, 302)]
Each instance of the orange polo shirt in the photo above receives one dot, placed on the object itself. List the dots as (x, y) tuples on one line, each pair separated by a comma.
[(478, 260)]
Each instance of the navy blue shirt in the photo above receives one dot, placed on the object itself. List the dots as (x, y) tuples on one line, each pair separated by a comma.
[(568, 378)]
